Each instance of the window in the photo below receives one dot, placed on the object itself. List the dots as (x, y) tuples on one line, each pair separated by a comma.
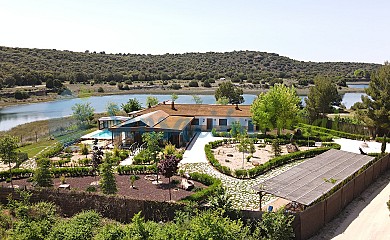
[(195, 122), (223, 122)]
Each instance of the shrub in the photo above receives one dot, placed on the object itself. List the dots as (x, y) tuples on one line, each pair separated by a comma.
[(212, 183), (193, 83), (176, 86), (100, 89), (136, 169)]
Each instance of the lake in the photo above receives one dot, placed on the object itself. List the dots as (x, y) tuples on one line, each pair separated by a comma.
[(20, 114)]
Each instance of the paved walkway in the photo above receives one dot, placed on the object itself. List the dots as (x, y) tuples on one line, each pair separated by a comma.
[(349, 145), (195, 153)]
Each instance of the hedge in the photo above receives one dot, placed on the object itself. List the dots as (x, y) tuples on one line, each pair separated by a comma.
[(262, 168), (16, 173), (136, 169), (212, 183), (72, 171), (380, 139), (333, 132)]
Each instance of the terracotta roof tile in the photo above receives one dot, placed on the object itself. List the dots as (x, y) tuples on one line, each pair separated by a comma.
[(174, 123), (201, 110)]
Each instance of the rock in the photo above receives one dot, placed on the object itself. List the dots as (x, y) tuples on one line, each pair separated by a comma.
[(292, 148), (256, 163), (187, 184)]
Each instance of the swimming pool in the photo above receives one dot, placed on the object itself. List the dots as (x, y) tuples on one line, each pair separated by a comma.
[(99, 134)]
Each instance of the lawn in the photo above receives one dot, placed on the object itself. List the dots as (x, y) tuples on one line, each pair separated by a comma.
[(35, 148)]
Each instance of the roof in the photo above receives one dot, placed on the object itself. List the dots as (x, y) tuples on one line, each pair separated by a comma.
[(174, 123), (201, 110), (119, 118), (308, 181), (150, 119)]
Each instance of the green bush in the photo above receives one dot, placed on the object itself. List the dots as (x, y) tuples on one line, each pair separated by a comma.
[(332, 132), (212, 183), (136, 169)]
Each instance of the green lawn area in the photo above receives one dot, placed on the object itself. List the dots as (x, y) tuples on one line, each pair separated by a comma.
[(35, 148)]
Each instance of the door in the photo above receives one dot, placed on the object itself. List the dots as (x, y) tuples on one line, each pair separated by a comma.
[(250, 126), (209, 123)]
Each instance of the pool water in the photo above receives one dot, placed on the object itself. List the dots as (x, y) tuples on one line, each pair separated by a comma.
[(99, 134)]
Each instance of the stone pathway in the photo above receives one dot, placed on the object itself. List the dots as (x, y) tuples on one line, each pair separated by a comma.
[(241, 192)]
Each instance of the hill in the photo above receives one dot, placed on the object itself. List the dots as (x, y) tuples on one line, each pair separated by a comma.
[(24, 66)]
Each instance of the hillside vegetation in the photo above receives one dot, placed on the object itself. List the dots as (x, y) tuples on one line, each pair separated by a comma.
[(23, 66)]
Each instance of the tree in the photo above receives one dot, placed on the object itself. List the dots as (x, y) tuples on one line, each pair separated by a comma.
[(84, 150), (151, 101), (107, 177), (223, 101), (244, 146), (152, 140), (112, 109), (49, 83), (322, 96), (377, 101), (228, 90), (168, 167), (42, 175), (131, 105), (237, 129), (275, 226), (8, 154), (276, 147), (97, 157), (174, 97), (197, 99), (278, 108), (83, 113)]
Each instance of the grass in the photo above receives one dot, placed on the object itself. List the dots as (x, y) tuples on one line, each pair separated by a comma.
[(34, 148)]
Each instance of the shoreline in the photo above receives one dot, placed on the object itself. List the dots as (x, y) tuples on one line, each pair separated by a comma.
[(159, 91)]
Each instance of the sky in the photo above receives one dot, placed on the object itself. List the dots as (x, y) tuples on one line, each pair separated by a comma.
[(305, 30)]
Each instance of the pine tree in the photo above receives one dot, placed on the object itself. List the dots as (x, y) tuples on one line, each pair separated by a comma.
[(107, 180), (42, 175)]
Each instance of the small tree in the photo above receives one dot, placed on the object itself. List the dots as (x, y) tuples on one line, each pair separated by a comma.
[(174, 97), (83, 113), (112, 108), (42, 175), (276, 147), (237, 130), (151, 101), (8, 154), (168, 167), (97, 157), (244, 146), (84, 150), (133, 178), (197, 99), (131, 105), (107, 180), (276, 226)]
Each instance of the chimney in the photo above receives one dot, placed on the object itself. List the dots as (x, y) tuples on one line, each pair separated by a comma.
[(173, 105)]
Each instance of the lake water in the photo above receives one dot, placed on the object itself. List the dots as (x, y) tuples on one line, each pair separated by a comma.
[(16, 115)]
